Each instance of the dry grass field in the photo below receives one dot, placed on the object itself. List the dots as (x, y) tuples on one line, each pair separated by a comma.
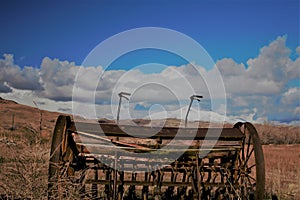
[(24, 142), (282, 164), (25, 139)]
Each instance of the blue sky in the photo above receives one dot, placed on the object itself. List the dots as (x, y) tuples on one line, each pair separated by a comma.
[(69, 30), (254, 43)]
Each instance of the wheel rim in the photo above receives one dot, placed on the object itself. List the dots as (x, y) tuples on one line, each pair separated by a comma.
[(60, 157), (251, 169)]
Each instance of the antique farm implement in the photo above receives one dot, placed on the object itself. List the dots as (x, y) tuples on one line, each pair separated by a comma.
[(107, 160)]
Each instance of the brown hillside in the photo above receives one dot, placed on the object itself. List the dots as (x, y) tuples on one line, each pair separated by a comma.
[(18, 118)]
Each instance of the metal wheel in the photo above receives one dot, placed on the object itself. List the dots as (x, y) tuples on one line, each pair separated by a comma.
[(61, 157), (250, 172)]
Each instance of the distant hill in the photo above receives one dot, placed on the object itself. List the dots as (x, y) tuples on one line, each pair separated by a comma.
[(21, 118)]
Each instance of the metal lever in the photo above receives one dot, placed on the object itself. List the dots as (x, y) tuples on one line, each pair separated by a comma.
[(193, 97), (121, 95)]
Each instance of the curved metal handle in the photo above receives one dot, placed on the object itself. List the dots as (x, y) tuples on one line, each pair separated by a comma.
[(196, 97), (124, 95)]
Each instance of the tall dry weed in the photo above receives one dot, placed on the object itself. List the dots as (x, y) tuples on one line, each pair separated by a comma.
[(24, 167)]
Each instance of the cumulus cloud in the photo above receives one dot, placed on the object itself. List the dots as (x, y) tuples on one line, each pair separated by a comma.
[(12, 75), (57, 79), (293, 71), (262, 82), (274, 57), (266, 74), (173, 82), (229, 68), (255, 90), (291, 97)]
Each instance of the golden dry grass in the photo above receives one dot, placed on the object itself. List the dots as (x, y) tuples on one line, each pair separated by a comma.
[(282, 164), (23, 167)]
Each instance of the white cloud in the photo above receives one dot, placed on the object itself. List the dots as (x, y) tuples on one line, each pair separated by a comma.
[(291, 97), (58, 79), (171, 84), (293, 70), (12, 75), (228, 68), (272, 62), (267, 74), (263, 82), (255, 91)]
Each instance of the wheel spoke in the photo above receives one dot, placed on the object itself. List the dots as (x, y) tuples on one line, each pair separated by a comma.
[(248, 156), (251, 178), (251, 181), (252, 166)]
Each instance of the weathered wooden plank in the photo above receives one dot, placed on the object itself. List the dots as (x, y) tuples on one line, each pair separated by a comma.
[(108, 130)]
